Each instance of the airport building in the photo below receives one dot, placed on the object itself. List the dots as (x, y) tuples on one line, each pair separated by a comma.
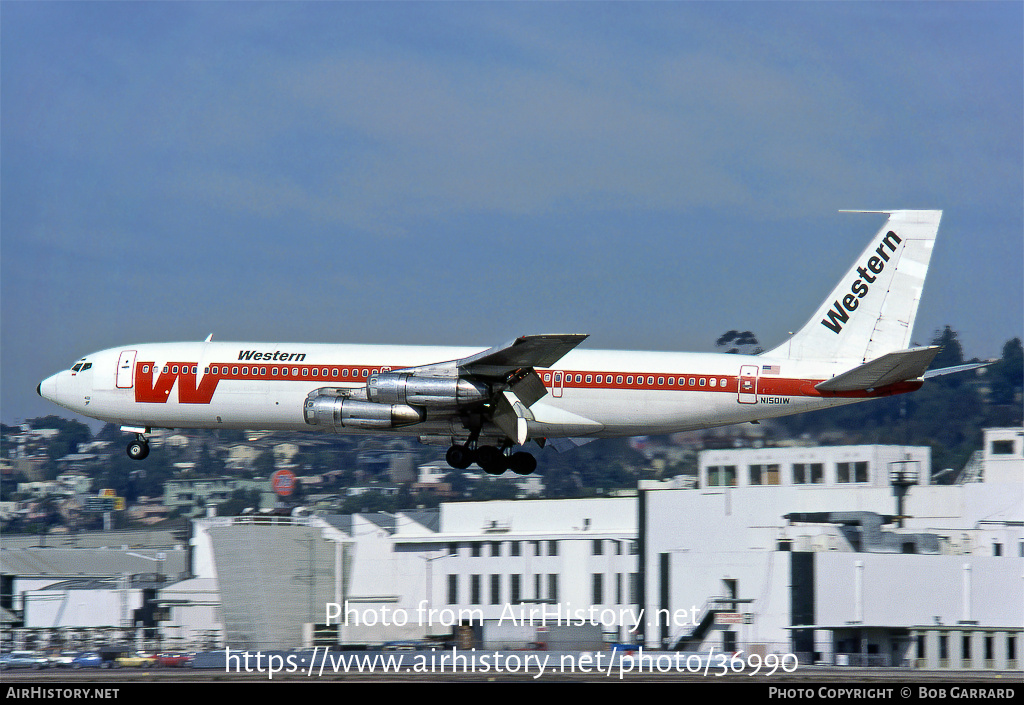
[(88, 588), (381, 578), (842, 555)]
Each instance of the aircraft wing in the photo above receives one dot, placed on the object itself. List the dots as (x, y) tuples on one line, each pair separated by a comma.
[(517, 386), (525, 351), (888, 369)]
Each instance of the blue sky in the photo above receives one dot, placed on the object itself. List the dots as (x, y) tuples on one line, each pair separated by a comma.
[(462, 173)]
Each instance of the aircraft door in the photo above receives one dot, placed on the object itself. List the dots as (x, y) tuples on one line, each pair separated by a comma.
[(748, 385), (126, 369), (556, 386)]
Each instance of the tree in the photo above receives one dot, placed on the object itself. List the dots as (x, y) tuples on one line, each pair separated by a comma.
[(1007, 375), (208, 462), (264, 464), (952, 354), (240, 499), (70, 434), (744, 343)]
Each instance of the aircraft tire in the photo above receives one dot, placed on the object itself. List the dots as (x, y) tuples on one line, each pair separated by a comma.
[(522, 463), (492, 460), (137, 450), (460, 457)]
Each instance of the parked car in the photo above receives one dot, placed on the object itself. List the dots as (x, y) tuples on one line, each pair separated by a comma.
[(23, 659), (62, 660), (87, 659), (173, 659), (137, 660)]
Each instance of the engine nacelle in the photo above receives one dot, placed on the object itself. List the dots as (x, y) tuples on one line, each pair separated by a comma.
[(403, 388), (331, 412)]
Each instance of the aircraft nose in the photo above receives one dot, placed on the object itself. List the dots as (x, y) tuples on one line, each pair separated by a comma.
[(47, 389)]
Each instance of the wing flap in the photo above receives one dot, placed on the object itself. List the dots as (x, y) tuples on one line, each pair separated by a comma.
[(888, 369)]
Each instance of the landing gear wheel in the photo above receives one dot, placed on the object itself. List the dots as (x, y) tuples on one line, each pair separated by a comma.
[(137, 450), (522, 463), (460, 457), (492, 460)]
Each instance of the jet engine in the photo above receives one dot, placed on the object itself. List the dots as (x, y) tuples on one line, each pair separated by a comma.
[(330, 411), (404, 388)]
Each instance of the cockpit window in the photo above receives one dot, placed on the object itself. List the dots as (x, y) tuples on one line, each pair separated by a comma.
[(77, 367), (86, 366)]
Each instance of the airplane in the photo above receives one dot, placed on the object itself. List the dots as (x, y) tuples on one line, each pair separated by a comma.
[(483, 404)]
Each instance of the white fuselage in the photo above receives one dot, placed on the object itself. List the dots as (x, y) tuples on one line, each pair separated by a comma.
[(537, 387), (589, 393)]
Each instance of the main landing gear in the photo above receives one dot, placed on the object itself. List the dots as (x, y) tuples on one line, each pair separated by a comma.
[(139, 448), (492, 459)]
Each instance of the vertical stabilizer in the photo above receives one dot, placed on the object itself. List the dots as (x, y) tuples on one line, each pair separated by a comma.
[(871, 311)]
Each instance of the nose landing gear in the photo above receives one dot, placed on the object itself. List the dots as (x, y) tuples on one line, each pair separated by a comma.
[(139, 448)]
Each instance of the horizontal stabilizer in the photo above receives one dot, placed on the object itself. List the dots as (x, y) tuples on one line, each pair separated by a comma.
[(526, 351), (889, 369), (958, 368)]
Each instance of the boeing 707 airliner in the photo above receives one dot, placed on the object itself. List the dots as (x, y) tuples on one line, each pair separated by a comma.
[(484, 404)]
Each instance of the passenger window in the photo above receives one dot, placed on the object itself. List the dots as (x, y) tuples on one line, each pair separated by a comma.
[(145, 369), (579, 378), (671, 381), (344, 373), (589, 379), (692, 381), (334, 372), (234, 370), (295, 371), (650, 380), (600, 379), (629, 380), (206, 370), (713, 381), (245, 370), (721, 383), (618, 380), (547, 376), (661, 381), (703, 382)]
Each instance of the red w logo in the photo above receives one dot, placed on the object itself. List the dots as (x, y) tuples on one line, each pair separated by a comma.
[(159, 391)]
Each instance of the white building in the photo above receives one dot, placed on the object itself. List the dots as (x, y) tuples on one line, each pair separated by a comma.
[(494, 561), (800, 546), (416, 575), (828, 466)]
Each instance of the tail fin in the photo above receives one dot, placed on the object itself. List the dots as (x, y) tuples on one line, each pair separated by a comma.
[(872, 310)]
